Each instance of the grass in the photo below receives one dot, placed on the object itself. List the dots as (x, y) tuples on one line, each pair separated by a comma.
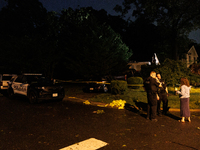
[(133, 96)]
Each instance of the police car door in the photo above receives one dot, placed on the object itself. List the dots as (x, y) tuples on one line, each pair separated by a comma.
[(20, 85)]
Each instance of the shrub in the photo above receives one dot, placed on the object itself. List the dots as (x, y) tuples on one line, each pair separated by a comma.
[(135, 80), (118, 86), (172, 71), (194, 79)]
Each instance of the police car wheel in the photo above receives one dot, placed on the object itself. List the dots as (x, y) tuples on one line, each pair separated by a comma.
[(32, 97)]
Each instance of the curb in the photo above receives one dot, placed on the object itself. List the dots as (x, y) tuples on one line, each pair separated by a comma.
[(79, 100), (100, 104)]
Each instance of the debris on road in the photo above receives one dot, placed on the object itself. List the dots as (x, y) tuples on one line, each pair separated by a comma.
[(118, 103), (99, 112), (87, 102)]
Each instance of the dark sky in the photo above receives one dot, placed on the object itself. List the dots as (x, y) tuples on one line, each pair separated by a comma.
[(58, 5), (108, 5)]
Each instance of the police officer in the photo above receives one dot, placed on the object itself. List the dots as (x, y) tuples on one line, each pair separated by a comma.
[(151, 85), (162, 92)]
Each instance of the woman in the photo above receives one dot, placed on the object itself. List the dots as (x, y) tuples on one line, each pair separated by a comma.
[(184, 94)]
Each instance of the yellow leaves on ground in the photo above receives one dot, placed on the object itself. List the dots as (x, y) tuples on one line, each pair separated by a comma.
[(118, 103), (87, 102), (99, 112), (115, 103)]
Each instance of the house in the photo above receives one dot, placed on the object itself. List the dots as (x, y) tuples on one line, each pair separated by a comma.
[(137, 65), (190, 56)]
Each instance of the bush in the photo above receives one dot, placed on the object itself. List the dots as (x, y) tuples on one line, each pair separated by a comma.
[(118, 86), (194, 79), (172, 71), (135, 80)]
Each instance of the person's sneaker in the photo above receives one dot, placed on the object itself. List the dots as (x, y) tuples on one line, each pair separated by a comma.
[(154, 120)]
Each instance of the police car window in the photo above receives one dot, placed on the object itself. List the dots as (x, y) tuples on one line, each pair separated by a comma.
[(24, 79), (19, 79), (32, 79), (45, 81)]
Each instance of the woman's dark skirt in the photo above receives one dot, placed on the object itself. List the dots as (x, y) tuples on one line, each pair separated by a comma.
[(184, 107)]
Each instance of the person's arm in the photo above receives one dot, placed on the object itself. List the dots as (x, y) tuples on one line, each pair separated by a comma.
[(157, 82), (182, 91), (166, 89)]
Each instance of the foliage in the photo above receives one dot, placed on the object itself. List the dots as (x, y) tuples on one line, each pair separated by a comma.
[(91, 49), (179, 17), (135, 80), (118, 86), (34, 40), (22, 18), (195, 68), (171, 71), (144, 38), (29, 38), (118, 103)]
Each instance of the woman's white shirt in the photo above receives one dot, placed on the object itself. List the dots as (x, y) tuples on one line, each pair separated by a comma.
[(184, 92)]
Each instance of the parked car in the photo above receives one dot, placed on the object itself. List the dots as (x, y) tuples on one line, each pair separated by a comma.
[(97, 85), (4, 79), (35, 87)]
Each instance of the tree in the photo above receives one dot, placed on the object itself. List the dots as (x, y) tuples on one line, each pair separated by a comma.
[(179, 17), (29, 38), (91, 49), (140, 36), (22, 17)]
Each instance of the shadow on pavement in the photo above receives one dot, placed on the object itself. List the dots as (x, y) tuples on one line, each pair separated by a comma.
[(173, 116), (141, 109)]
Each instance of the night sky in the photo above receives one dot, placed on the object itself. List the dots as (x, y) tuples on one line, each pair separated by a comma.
[(58, 5), (108, 5)]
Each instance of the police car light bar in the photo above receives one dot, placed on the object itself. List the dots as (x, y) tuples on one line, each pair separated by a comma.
[(34, 74)]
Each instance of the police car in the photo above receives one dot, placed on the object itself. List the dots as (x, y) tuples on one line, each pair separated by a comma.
[(35, 87)]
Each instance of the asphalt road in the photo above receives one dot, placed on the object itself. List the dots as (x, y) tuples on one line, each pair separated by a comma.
[(56, 125)]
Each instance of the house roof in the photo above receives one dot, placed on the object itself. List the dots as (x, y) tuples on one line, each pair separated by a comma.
[(193, 51)]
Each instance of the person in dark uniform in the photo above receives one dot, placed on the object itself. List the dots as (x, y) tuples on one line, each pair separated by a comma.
[(151, 85), (162, 93)]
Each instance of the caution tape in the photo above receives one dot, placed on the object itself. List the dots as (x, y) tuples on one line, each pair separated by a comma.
[(97, 82)]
